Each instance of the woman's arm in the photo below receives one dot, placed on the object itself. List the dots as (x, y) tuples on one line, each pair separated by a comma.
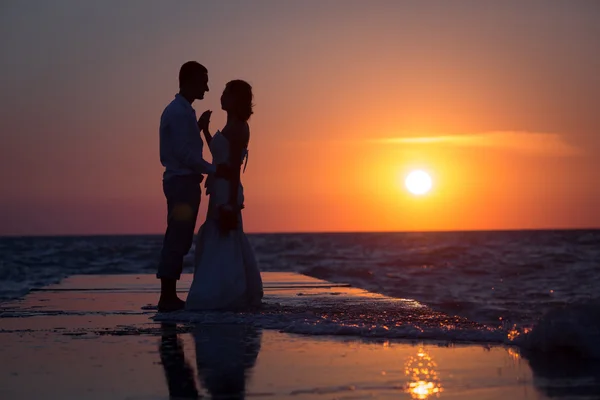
[(207, 136), (238, 137), (203, 123)]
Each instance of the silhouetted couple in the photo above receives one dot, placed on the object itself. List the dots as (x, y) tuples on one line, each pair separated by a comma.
[(226, 275)]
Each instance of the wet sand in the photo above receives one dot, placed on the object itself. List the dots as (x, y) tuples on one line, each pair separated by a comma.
[(94, 338)]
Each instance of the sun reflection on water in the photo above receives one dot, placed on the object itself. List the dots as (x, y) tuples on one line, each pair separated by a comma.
[(513, 354), (423, 381), (515, 332)]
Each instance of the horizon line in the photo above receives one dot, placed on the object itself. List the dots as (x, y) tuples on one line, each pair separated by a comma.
[(59, 235)]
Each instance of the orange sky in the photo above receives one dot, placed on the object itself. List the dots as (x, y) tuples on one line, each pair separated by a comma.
[(497, 102)]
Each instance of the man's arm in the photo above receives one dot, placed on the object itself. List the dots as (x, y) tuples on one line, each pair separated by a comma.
[(187, 144)]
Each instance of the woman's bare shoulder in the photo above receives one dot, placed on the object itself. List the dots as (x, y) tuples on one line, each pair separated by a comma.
[(238, 131)]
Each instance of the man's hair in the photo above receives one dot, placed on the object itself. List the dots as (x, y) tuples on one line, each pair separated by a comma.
[(189, 70)]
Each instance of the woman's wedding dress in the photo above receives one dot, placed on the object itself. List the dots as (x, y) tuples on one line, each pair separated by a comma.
[(226, 274)]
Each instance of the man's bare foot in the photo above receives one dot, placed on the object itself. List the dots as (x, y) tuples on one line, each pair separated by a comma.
[(170, 304)]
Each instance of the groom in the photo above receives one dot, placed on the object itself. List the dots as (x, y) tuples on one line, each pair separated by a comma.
[(181, 155)]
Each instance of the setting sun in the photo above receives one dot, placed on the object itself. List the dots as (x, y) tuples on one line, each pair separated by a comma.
[(418, 182)]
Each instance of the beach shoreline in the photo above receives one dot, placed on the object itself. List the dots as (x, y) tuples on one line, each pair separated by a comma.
[(71, 341)]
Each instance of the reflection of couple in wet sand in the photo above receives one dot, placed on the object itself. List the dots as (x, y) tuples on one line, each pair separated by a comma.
[(225, 354)]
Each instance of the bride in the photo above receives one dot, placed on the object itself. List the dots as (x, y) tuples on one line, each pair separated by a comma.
[(226, 274)]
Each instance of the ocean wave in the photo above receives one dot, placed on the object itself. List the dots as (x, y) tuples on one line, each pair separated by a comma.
[(376, 320), (493, 278), (572, 331)]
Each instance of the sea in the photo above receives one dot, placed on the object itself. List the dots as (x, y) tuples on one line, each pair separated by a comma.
[(505, 280)]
